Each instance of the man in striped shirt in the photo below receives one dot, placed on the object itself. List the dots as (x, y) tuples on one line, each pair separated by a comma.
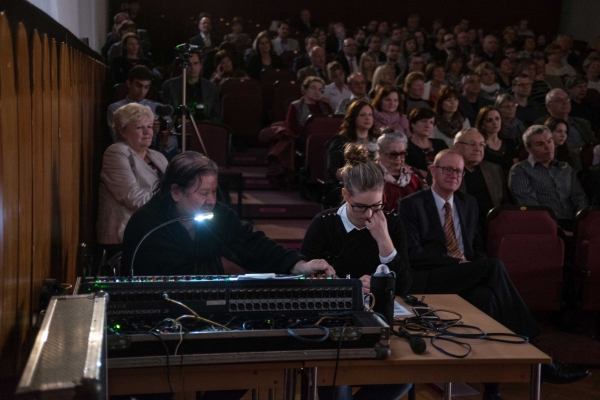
[(542, 181)]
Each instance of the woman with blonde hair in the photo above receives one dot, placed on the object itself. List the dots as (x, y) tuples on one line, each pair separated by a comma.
[(384, 76)]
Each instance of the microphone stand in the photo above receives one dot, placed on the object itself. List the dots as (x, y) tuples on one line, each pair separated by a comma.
[(197, 217)]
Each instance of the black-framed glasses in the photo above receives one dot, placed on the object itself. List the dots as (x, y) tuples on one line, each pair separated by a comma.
[(362, 208), (473, 144), (393, 155), (450, 170)]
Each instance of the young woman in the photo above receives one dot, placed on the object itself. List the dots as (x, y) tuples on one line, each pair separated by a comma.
[(131, 55), (499, 149), (388, 110), (449, 119), (435, 73), (407, 47), (560, 131), (421, 149), (505, 73), (455, 70), (265, 58), (366, 66), (400, 180), (490, 88), (338, 235)]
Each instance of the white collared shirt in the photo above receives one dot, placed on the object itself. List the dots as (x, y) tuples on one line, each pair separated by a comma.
[(349, 226), (353, 63), (439, 205)]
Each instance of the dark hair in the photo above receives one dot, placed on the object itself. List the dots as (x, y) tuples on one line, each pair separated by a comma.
[(348, 127), (307, 38), (126, 38), (408, 37), (483, 113), (452, 57), (562, 152), (257, 40), (237, 20), (443, 95), (220, 56), (432, 66), (186, 170), (141, 73), (418, 114), (360, 174), (514, 80), (282, 22), (574, 81), (383, 93), (368, 41)]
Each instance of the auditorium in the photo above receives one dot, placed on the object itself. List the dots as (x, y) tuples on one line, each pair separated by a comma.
[(299, 200)]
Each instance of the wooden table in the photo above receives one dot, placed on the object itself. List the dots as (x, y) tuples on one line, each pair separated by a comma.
[(488, 362)]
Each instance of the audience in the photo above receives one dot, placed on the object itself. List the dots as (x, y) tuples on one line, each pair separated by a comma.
[(435, 74), (115, 50), (414, 86), (337, 90), (581, 107), (374, 48), (421, 148), (490, 88), (303, 60), (528, 111), (455, 70), (394, 60), (498, 148), (224, 69), (506, 71), (539, 86), (283, 42), (471, 100), (348, 56), (560, 132), (513, 127), (237, 35), (358, 86), (316, 67), (264, 57), (542, 181), (449, 119), (205, 39), (387, 113), (555, 65), (309, 104), (383, 76), (591, 66)]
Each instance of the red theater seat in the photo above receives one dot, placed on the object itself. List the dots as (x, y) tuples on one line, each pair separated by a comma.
[(525, 239), (284, 92), (243, 114), (587, 254), (240, 86)]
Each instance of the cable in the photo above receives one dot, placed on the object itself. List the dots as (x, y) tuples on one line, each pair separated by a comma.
[(168, 366), (303, 339), (337, 361), (208, 321)]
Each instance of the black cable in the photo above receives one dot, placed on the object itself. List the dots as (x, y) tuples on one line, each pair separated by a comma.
[(337, 361), (168, 366)]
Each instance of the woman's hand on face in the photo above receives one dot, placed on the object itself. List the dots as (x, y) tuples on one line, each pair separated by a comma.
[(366, 281), (377, 225)]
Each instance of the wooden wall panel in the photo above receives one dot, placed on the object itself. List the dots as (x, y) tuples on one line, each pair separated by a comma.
[(9, 198), (56, 258)]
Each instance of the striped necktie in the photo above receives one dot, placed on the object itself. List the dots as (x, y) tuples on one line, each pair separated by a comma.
[(451, 241)]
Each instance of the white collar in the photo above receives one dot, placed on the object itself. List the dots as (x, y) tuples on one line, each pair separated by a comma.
[(439, 202), (343, 213)]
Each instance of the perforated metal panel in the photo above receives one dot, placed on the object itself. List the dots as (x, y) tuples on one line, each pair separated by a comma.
[(68, 351)]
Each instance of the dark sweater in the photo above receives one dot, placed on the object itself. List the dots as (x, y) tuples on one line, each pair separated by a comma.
[(355, 253), (171, 251)]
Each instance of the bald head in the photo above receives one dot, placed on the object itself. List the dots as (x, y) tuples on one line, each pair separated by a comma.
[(317, 57), (471, 145)]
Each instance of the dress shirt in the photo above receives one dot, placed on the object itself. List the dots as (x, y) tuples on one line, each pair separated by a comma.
[(334, 95), (349, 226), (352, 64), (439, 204), (206, 39), (556, 187)]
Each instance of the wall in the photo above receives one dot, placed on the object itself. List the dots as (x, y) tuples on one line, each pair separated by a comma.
[(580, 18)]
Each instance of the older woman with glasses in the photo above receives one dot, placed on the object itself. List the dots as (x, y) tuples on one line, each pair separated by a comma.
[(400, 180), (513, 127)]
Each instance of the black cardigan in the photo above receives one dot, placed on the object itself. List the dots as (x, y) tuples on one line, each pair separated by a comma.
[(171, 251), (356, 253)]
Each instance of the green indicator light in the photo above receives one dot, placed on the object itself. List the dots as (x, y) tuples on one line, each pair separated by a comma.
[(329, 277), (117, 326)]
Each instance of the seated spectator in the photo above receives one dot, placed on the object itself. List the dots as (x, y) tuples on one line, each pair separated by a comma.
[(591, 66), (337, 90), (529, 49), (358, 87), (438, 45), (475, 58), (580, 106), (449, 48), (205, 39), (570, 56), (422, 47), (383, 76), (393, 59), (449, 119), (237, 35), (317, 65), (347, 57), (115, 50), (471, 100), (490, 46), (130, 57), (202, 97), (560, 132), (506, 71), (498, 148), (374, 48), (310, 103), (387, 113), (539, 86), (421, 148), (400, 180), (483, 180), (283, 42), (113, 36), (513, 127), (357, 128), (524, 31), (304, 24), (542, 181), (510, 52), (366, 67), (322, 37), (339, 235), (408, 47), (555, 65), (455, 70), (303, 60), (528, 111), (224, 69), (558, 104), (509, 36), (415, 64), (265, 58), (130, 171), (490, 88), (435, 74), (360, 35), (336, 44), (414, 86)]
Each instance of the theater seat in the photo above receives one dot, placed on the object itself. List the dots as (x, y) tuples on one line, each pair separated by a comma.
[(525, 239), (323, 124), (284, 93), (243, 114), (587, 254), (240, 86)]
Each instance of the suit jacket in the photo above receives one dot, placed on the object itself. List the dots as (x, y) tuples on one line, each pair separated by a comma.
[(300, 62), (173, 92), (126, 184), (425, 236), (494, 181), (198, 40), (310, 71), (292, 44)]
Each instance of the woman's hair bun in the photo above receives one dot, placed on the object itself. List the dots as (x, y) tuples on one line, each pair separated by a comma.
[(355, 153)]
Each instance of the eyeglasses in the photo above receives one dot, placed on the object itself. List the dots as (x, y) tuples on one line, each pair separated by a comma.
[(362, 209), (560, 101), (472, 144), (450, 170), (394, 155)]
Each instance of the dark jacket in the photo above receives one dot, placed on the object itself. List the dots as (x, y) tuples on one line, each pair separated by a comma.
[(494, 181), (173, 92)]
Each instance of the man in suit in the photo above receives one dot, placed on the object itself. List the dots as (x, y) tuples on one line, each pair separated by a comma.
[(282, 42), (317, 65), (205, 39), (303, 60), (202, 97), (483, 180), (348, 57), (447, 256)]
